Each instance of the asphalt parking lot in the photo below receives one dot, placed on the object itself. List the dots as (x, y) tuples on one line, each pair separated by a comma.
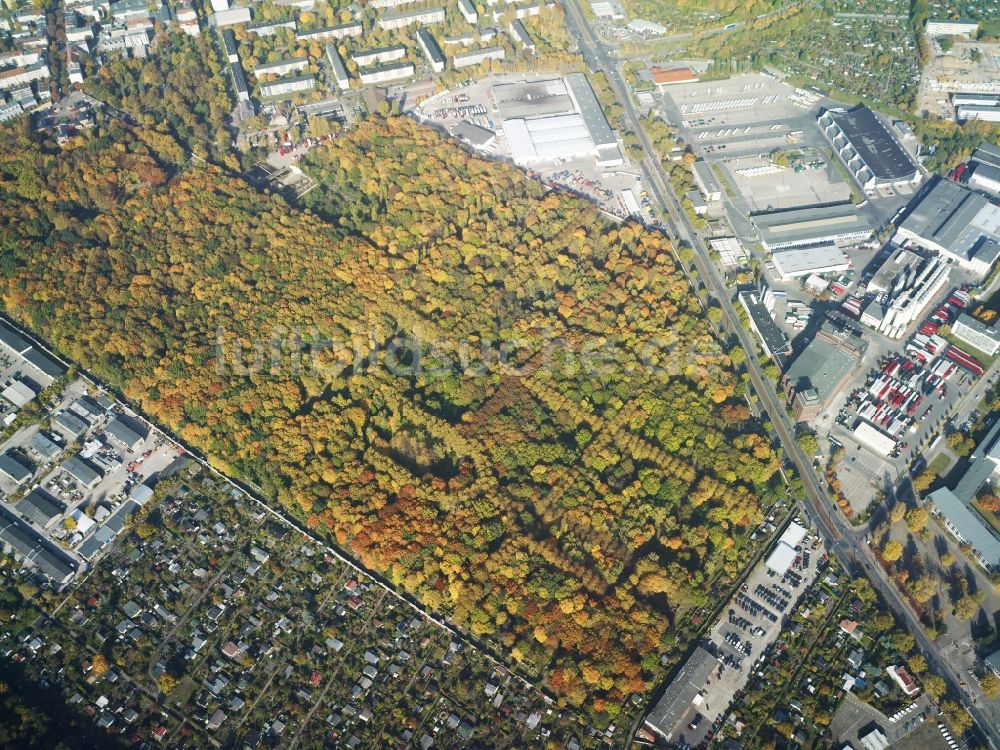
[(750, 625)]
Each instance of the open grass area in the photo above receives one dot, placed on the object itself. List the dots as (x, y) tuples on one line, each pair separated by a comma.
[(940, 464)]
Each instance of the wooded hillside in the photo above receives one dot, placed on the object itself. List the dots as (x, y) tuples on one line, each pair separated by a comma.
[(573, 507)]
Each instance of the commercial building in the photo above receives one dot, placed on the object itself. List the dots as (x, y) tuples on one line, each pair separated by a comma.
[(19, 393), (896, 272), (706, 182), (340, 74), (121, 432), (671, 76), (392, 72), (287, 86), (976, 334), (477, 56), (784, 552), (550, 120), (822, 368), (956, 222), (343, 31), (432, 51), (474, 135), (838, 223), (874, 439), (681, 693), (987, 113), (957, 512), (730, 250), (40, 508), (379, 55), (868, 148), (281, 67), (945, 27), (806, 261), (28, 546), (404, 18), (759, 306), (987, 153)]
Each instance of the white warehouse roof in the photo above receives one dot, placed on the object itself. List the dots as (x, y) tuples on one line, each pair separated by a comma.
[(806, 261), (793, 535), (875, 439), (781, 559), (548, 138)]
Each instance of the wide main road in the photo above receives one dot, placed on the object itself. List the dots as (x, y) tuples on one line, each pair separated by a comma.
[(842, 540)]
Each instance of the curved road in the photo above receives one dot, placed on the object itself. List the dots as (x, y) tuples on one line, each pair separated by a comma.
[(842, 540)]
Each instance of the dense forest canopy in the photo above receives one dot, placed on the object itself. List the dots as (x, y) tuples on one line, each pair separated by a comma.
[(572, 504)]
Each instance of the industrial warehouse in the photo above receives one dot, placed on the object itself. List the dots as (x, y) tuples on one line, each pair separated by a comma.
[(959, 224), (838, 223), (870, 151), (568, 122)]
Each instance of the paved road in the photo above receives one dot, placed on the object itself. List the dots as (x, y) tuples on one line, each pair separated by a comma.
[(842, 540)]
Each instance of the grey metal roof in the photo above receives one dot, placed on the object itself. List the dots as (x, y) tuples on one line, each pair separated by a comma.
[(123, 432), (80, 470), (876, 146), (945, 215), (771, 335), (682, 691), (13, 339), (43, 446), (71, 423), (431, 46), (40, 507), (810, 223), (44, 362), (333, 55), (968, 524), (590, 109), (822, 366), (30, 546), (14, 468), (987, 153), (473, 133)]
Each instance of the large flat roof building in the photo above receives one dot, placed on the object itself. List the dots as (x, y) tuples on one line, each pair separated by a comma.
[(957, 223), (476, 56), (838, 223), (590, 110), (868, 148), (805, 261), (821, 369)]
